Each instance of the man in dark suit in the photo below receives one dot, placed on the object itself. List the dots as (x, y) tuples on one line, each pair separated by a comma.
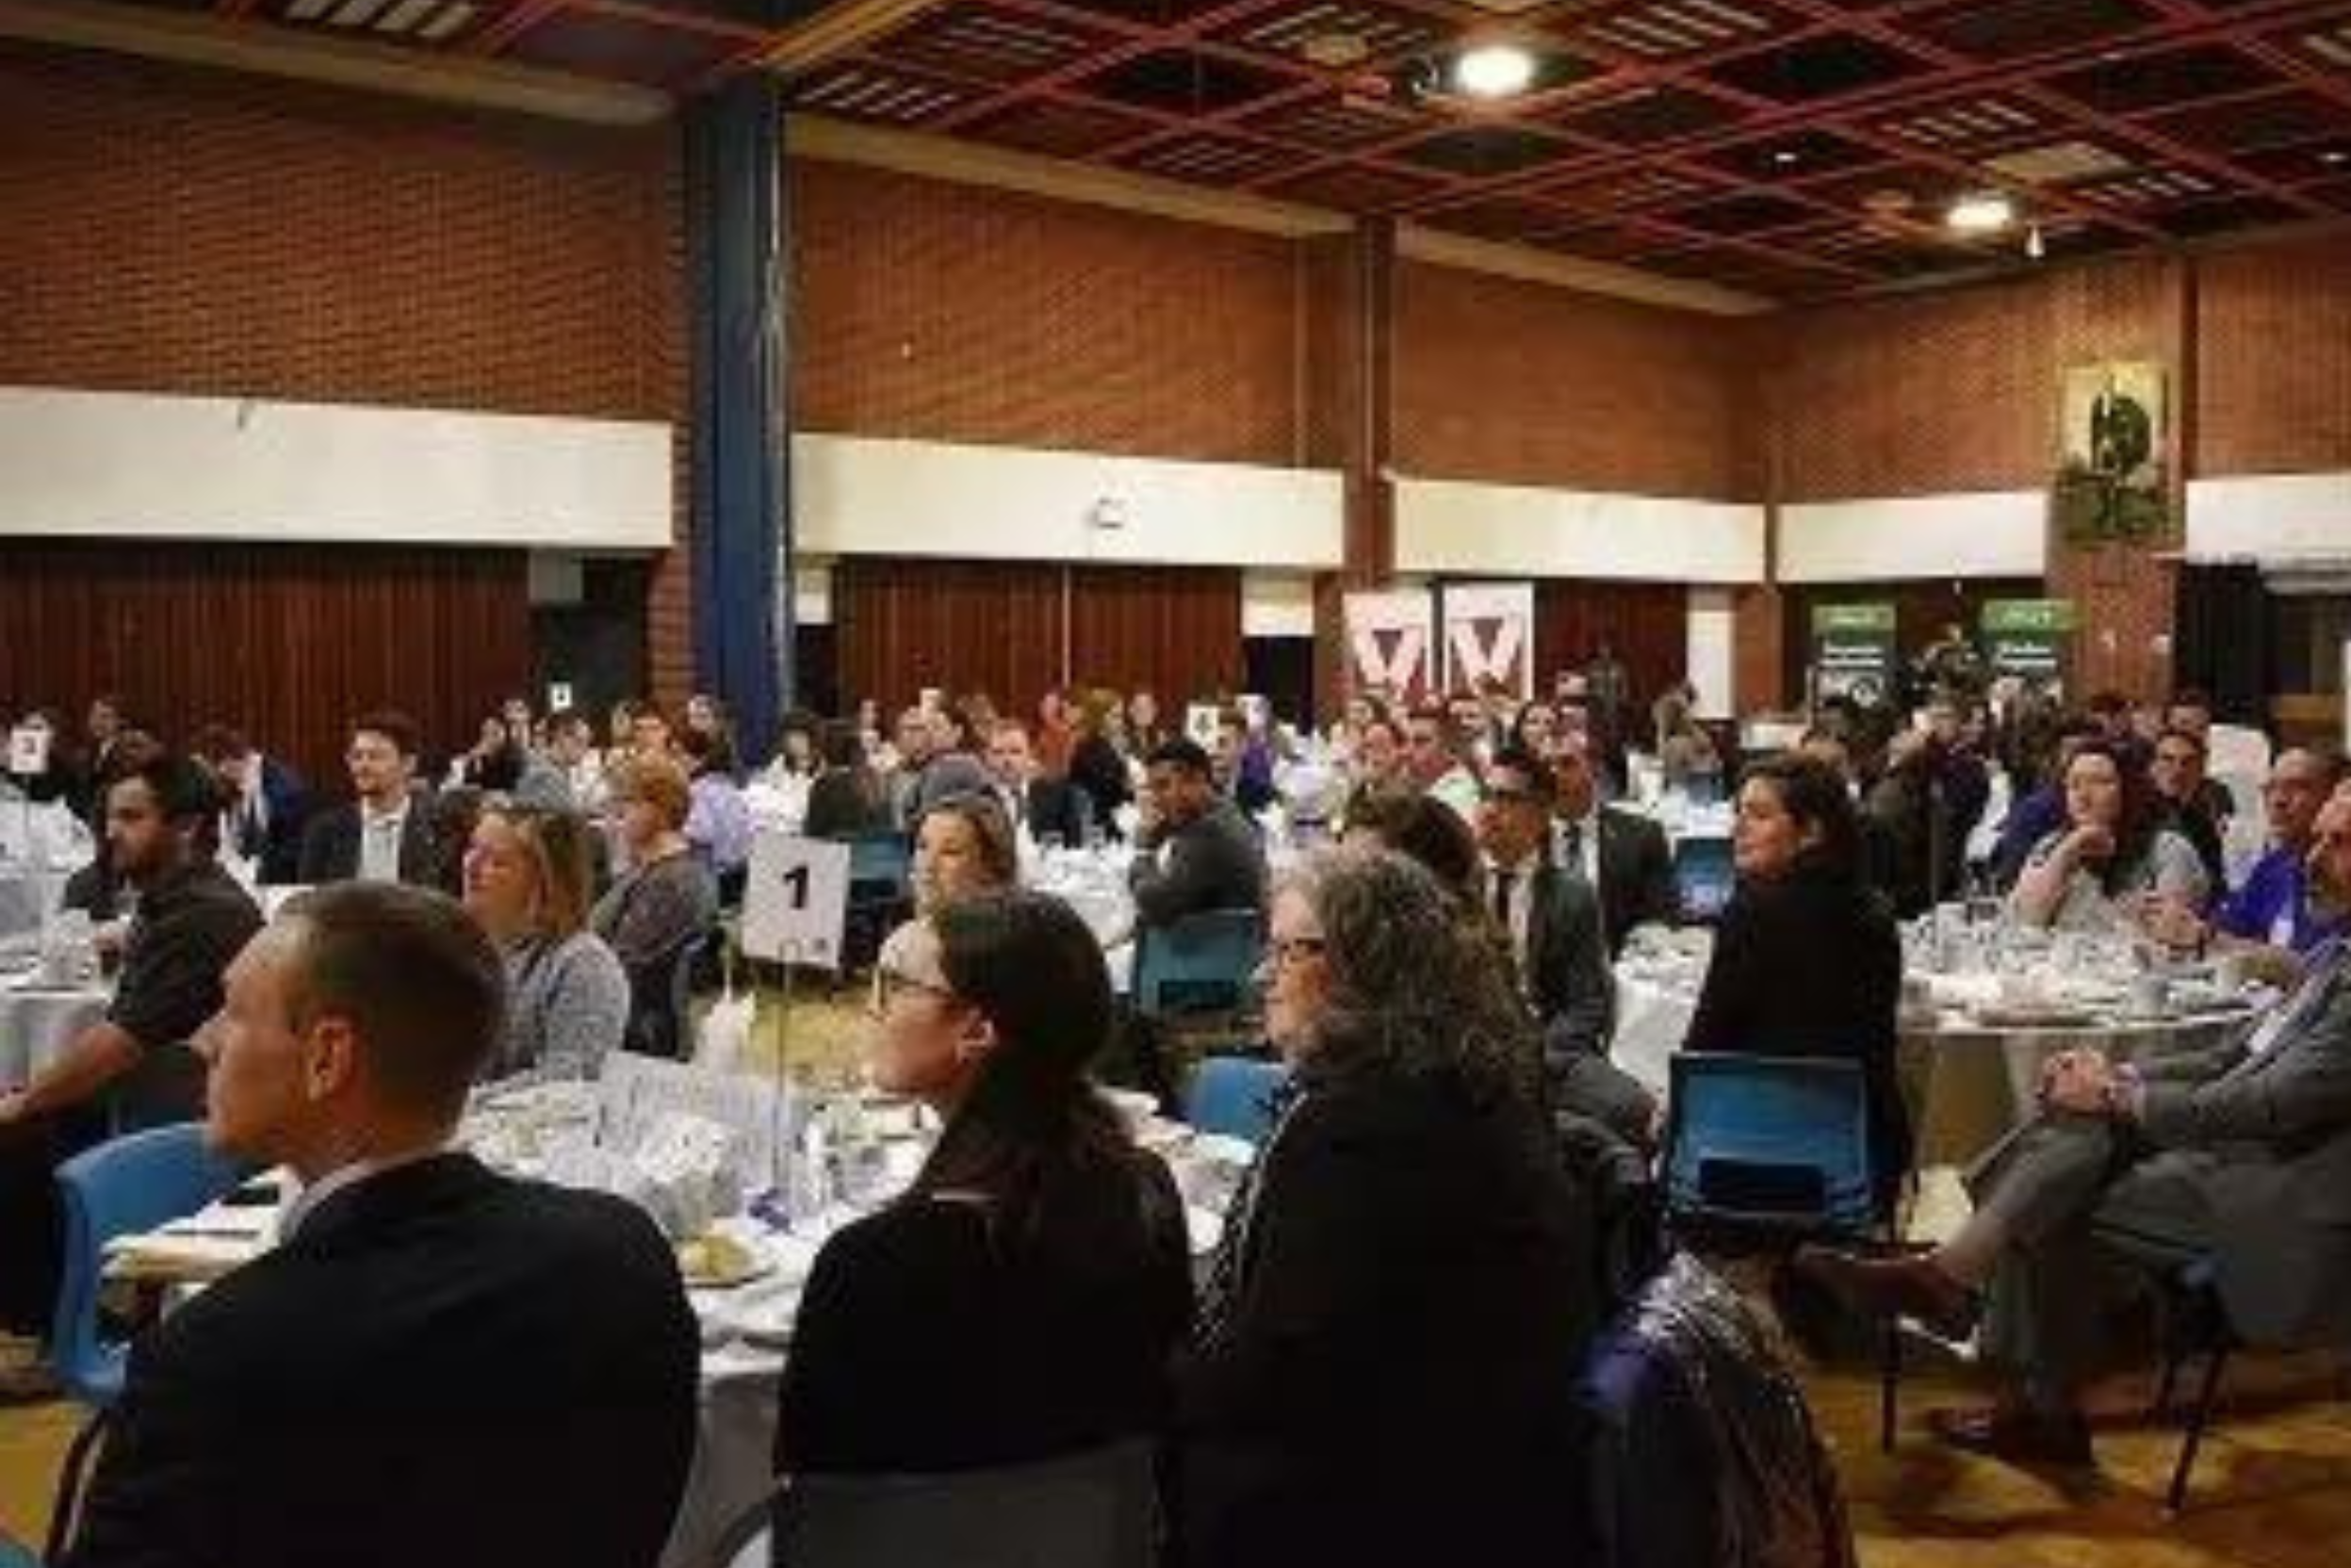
[(1552, 921), (437, 1365), (386, 833), (1623, 855), (2242, 1157), (1193, 851), (262, 821), (1053, 809)]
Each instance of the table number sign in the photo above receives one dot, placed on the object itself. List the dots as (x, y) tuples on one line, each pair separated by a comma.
[(796, 899), (29, 750)]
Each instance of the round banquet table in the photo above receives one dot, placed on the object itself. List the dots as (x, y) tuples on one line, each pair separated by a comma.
[(27, 898), (1968, 1083), (38, 1021)]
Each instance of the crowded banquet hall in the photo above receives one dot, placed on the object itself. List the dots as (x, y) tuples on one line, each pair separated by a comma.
[(1212, 783)]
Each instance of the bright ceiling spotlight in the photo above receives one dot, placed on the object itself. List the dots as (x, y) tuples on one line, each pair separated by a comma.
[(1494, 70), (1988, 213)]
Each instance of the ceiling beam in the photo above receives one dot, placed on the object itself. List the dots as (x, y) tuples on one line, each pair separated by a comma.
[(842, 29), (270, 51)]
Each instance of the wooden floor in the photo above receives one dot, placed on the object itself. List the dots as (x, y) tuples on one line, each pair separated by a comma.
[(2273, 1489)]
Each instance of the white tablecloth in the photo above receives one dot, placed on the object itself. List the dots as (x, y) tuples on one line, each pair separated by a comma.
[(27, 898), (36, 1021)]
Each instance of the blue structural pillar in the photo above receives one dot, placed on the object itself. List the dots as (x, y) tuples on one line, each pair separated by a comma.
[(742, 451)]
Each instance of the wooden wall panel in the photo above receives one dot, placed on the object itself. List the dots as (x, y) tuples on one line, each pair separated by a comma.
[(1175, 630), (284, 642), (966, 625), (1646, 624)]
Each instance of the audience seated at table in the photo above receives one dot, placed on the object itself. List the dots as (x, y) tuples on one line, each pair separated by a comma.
[(134, 1067), (1437, 760), (1548, 915), (665, 900), (1577, 1078), (2182, 804), (1621, 855), (1193, 851), (930, 767), (437, 1365), (1382, 1367), (1023, 1299), (1687, 758), (848, 798), (262, 821), (1053, 809), (963, 847), (1096, 765), (384, 833), (562, 774), (2269, 918), (2135, 1171), (1807, 960), (2091, 873), (528, 881), (1927, 799)]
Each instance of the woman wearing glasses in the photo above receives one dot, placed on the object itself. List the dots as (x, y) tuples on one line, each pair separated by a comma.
[(1385, 1354), (528, 881), (1020, 1301)]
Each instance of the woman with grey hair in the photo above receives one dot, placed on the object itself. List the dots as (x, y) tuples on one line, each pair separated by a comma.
[(1385, 1358)]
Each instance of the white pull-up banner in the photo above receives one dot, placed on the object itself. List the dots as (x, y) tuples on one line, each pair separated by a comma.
[(1490, 636)]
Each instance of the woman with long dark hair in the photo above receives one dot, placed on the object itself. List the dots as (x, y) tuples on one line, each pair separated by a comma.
[(1807, 960), (2112, 849), (1021, 1299), (1384, 1360)]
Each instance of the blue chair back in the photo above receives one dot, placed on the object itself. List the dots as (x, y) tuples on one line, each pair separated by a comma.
[(1704, 874), (879, 860), (1233, 1097), (126, 1186), (1201, 963), (1771, 1141)]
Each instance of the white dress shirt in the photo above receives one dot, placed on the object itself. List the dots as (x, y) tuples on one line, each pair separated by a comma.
[(379, 842)]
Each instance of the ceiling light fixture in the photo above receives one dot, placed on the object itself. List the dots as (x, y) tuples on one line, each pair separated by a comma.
[(2334, 157), (1987, 213), (1786, 157), (1494, 70), (2034, 246)]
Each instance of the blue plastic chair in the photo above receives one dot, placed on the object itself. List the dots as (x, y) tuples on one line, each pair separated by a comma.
[(881, 867), (1201, 963), (1777, 1147), (1703, 875), (1771, 1141), (15, 1555), (122, 1187), (1233, 1097)]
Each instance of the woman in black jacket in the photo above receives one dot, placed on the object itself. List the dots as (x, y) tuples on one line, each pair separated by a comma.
[(1022, 1301), (1807, 959), (1386, 1354)]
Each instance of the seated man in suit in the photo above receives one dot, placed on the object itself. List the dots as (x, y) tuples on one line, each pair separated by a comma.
[(1192, 851), (410, 1377), (1621, 854), (1053, 809), (1552, 922), (263, 819), (2243, 1158), (134, 1062), (386, 833)]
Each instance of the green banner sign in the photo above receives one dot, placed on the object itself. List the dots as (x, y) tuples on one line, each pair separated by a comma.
[(1853, 651), (2027, 638)]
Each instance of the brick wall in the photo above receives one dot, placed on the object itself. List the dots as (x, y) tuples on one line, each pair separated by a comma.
[(185, 232), (2273, 390), (931, 310), (1520, 383)]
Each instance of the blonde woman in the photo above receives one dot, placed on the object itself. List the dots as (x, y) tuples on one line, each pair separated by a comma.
[(528, 881)]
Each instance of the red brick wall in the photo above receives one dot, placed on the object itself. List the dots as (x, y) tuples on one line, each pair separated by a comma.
[(937, 311), (1520, 383), (185, 232), (2273, 391)]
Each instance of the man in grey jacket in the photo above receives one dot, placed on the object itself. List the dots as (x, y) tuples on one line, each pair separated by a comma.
[(2242, 1157), (1193, 851)]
